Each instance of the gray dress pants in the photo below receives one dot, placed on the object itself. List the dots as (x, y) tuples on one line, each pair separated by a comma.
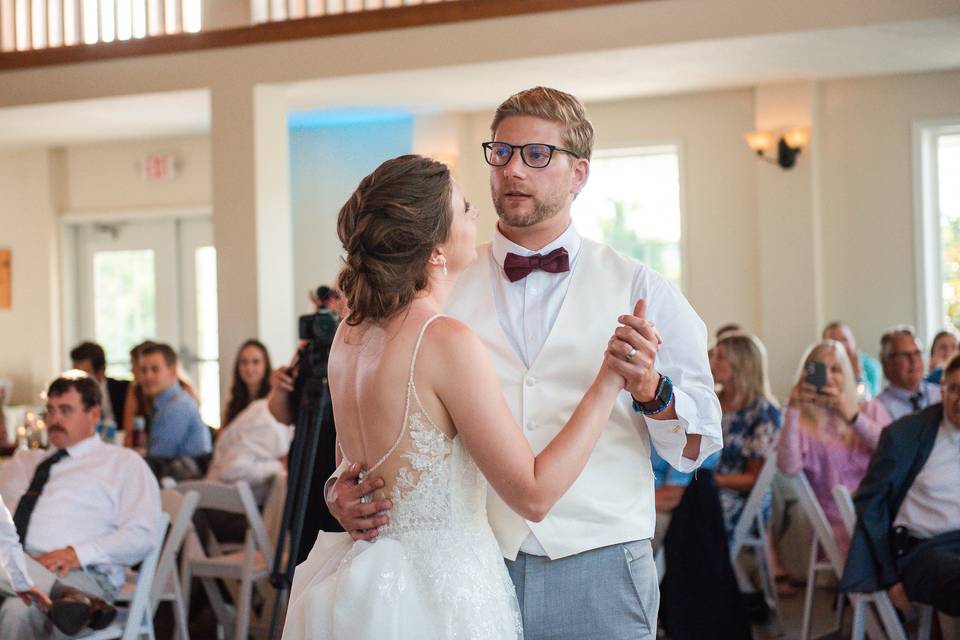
[(610, 593)]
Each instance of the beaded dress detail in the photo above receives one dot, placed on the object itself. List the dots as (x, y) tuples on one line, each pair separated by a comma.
[(435, 571)]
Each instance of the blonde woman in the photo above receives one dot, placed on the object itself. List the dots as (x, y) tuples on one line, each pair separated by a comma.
[(828, 433), (751, 419)]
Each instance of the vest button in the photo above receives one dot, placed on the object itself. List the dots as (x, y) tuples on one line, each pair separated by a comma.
[(531, 381), (531, 426)]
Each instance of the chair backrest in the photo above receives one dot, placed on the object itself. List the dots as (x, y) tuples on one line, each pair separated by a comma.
[(179, 507), (753, 507), (233, 497), (140, 606), (844, 500), (818, 521), (273, 507)]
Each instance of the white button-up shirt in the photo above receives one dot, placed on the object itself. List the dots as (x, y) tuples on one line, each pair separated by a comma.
[(11, 553), (250, 448), (528, 308), (101, 499), (932, 504)]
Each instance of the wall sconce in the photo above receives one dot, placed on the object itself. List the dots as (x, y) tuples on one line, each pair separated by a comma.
[(788, 145)]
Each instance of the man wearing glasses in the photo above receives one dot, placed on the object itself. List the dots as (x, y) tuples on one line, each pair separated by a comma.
[(903, 366), (545, 301)]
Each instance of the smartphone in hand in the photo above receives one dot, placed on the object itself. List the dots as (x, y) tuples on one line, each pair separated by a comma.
[(815, 374)]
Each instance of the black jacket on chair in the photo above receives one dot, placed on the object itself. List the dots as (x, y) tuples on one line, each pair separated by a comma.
[(903, 449), (699, 593)]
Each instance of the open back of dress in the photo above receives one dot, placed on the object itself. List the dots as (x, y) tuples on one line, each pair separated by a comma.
[(434, 572)]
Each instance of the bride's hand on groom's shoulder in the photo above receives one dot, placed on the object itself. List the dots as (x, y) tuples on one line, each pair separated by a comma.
[(360, 519), (632, 353)]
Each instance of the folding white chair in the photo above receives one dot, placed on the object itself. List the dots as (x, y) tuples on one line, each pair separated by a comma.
[(879, 599), (246, 565), (751, 533), (180, 508), (136, 621)]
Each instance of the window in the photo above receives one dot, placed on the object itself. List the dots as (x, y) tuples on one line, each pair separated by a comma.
[(632, 202), (937, 158), (948, 201)]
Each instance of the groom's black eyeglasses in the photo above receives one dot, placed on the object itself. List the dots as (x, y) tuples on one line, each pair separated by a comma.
[(536, 155)]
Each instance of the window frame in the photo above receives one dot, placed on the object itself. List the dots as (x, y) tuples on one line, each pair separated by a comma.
[(928, 240)]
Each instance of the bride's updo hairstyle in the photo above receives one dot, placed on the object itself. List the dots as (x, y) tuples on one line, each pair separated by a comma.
[(389, 227)]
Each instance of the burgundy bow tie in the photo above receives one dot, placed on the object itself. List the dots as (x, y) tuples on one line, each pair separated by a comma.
[(519, 267)]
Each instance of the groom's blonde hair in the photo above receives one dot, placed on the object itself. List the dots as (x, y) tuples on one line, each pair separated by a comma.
[(555, 106)]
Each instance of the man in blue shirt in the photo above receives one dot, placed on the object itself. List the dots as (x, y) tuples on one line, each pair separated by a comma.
[(176, 428)]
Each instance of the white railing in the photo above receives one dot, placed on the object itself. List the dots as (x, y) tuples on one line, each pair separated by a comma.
[(41, 24)]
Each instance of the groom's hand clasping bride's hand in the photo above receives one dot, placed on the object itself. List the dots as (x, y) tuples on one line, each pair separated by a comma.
[(634, 348), (360, 519)]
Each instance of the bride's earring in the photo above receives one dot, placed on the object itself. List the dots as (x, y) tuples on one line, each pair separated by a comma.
[(443, 265)]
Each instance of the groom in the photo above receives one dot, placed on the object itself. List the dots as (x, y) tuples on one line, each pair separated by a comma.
[(545, 300)]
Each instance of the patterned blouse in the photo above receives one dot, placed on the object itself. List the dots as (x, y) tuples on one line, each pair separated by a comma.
[(748, 434)]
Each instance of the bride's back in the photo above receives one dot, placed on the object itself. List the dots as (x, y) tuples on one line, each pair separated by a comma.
[(370, 372)]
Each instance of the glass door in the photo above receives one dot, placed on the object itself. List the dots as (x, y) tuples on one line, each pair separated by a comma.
[(142, 280)]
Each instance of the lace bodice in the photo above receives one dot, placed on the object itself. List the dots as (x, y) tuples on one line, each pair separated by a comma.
[(437, 484)]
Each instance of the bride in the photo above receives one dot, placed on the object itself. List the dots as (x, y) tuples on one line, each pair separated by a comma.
[(416, 400)]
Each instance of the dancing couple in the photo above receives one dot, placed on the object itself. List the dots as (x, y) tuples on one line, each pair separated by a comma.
[(499, 402)]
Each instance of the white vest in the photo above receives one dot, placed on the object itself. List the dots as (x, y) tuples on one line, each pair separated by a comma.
[(612, 500)]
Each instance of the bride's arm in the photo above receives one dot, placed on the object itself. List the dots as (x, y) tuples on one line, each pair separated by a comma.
[(465, 381)]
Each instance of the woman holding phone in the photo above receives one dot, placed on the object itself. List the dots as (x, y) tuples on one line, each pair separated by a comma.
[(827, 432)]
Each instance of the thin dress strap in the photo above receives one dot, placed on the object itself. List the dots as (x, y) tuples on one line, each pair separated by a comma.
[(410, 389)]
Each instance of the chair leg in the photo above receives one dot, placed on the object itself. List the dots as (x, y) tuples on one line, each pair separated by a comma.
[(858, 615), (925, 629), (766, 574), (811, 586), (180, 612)]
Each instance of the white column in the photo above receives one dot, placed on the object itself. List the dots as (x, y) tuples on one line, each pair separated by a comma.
[(251, 220)]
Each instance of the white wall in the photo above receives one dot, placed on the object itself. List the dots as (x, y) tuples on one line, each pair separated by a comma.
[(867, 195), (326, 164), (29, 331), (107, 177)]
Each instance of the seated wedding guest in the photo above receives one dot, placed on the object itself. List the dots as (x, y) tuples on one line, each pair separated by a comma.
[(85, 511), (907, 537), (176, 428), (727, 329), (251, 448), (136, 404), (90, 358), (866, 369), (944, 347), (828, 433), (902, 362), (751, 419), (251, 379)]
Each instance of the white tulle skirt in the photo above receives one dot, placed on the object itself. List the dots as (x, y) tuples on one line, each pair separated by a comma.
[(426, 587)]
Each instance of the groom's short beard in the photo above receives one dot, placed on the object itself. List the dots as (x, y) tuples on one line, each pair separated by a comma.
[(541, 211)]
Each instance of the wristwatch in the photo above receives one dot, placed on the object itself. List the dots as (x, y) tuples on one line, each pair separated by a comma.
[(661, 399)]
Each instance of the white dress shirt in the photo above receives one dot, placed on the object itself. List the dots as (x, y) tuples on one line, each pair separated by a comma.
[(11, 553), (932, 504), (528, 308), (251, 447), (101, 499)]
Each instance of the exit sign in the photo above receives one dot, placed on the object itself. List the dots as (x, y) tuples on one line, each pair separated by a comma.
[(159, 166)]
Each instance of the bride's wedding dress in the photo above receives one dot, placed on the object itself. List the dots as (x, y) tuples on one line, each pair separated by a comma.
[(434, 572)]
